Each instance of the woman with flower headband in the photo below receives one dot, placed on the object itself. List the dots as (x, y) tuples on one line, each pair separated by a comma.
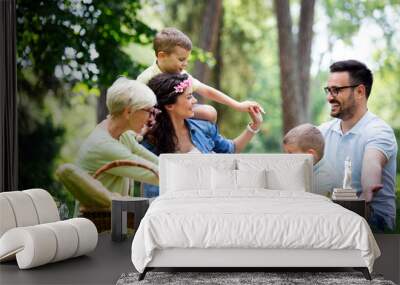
[(175, 130)]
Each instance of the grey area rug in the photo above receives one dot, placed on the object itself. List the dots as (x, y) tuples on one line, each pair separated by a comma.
[(229, 278)]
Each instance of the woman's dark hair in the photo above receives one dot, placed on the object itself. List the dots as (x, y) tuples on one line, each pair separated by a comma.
[(358, 71), (163, 135)]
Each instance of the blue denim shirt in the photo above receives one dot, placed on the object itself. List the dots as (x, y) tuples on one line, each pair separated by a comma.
[(205, 137)]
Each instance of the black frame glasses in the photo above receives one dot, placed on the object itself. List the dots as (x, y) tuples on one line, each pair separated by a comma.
[(153, 111), (335, 90)]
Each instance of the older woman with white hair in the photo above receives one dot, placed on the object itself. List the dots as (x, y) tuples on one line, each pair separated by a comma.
[(131, 106)]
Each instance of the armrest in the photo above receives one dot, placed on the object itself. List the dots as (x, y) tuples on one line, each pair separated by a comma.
[(118, 163), (41, 244), (86, 189)]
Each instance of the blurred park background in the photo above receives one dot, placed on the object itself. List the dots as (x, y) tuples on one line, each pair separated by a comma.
[(274, 52)]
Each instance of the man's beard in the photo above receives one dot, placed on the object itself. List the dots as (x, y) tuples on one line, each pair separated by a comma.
[(345, 112)]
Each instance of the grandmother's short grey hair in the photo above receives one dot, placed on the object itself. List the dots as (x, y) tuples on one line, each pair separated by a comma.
[(125, 92)]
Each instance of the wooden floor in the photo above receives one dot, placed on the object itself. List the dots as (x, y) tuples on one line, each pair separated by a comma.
[(389, 263), (110, 259)]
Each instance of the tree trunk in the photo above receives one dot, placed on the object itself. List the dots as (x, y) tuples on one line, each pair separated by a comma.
[(218, 54), (208, 37), (295, 61), (304, 44), (217, 70), (291, 105), (101, 105)]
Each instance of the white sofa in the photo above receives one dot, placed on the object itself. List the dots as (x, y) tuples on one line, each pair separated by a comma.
[(31, 231)]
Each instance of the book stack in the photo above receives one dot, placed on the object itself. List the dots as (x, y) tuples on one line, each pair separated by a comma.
[(344, 194)]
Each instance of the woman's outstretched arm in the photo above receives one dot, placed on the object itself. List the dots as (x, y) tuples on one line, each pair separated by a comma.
[(243, 139)]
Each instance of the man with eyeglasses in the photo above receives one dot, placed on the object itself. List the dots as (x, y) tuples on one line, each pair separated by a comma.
[(366, 139)]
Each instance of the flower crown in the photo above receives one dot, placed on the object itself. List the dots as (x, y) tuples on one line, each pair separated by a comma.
[(180, 88)]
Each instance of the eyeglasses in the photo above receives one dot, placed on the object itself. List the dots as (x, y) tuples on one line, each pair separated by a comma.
[(153, 111), (335, 90)]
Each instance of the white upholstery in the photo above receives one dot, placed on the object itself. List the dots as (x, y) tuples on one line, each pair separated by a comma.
[(87, 235), (193, 177), (66, 236), (7, 218), (292, 172), (223, 179), (22, 207), (31, 233), (252, 178), (180, 172), (46, 208), (234, 180), (32, 246)]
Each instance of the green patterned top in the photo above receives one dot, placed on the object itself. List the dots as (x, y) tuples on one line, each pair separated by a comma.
[(101, 148)]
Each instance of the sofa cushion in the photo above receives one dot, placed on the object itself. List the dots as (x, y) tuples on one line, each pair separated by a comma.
[(40, 244), (32, 246), (67, 240), (45, 206), (7, 220), (26, 208), (23, 208), (87, 235)]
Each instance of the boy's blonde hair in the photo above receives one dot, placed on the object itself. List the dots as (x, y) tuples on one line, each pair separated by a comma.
[(168, 38), (305, 137), (125, 92)]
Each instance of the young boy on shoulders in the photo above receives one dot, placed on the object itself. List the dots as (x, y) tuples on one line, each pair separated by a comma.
[(173, 48), (306, 138)]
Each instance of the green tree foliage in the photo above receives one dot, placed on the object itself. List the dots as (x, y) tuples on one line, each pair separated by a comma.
[(78, 40), (61, 43), (346, 17), (245, 34), (37, 165)]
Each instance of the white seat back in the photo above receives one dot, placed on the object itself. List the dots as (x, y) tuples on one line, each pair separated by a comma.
[(286, 171), (26, 208)]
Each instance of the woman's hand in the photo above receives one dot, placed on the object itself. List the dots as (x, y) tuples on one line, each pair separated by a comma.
[(247, 106), (256, 118), (251, 129), (147, 127)]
